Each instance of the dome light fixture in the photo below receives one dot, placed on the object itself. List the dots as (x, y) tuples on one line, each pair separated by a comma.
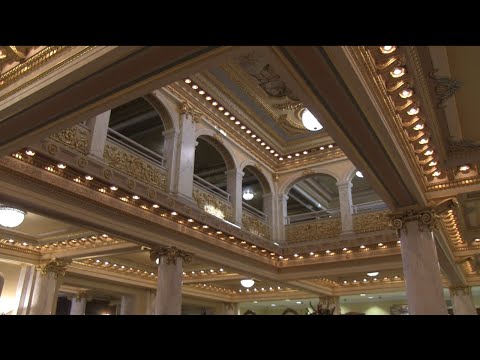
[(359, 174), (247, 283), (310, 121), (248, 195), (11, 217)]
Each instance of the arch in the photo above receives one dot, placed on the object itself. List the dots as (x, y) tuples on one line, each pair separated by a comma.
[(163, 108), (267, 186), (349, 174), (219, 145), (285, 188)]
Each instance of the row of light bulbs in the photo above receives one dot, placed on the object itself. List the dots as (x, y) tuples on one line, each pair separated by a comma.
[(215, 104), (413, 110), (374, 280)]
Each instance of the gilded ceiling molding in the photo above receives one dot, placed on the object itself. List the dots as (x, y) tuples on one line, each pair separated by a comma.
[(56, 266), (77, 137), (171, 253)]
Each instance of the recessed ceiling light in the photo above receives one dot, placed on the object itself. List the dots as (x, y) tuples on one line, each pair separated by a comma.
[(387, 49), (89, 178), (208, 98), (370, 297), (359, 174), (201, 92), (428, 152), (413, 111), (61, 166), (464, 168), (373, 273), (194, 87), (406, 93), (418, 127), (397, 72)]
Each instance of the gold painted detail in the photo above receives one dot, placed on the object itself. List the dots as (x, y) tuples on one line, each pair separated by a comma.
[(171, 254), (461, 290), (57, 266), (313, 230), (11, 54), (187, 108), (255, 226), (212, 204), (374, 221), (134, 166), (76, 137)]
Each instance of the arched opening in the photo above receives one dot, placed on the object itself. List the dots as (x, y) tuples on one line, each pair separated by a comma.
[(364, 198), (138, 126), (254, 187), (212, 160), (313, 197)]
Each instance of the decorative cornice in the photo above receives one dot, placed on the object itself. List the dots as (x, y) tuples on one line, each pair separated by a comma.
[(171, 253), (57, 266)]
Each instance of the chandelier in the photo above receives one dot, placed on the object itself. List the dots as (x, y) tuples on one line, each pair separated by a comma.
[(247, 283), (11, 217), (310, 121), (248, 195)]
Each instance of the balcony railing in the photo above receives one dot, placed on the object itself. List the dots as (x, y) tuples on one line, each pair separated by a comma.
[(252, 211), (314, 215), (205, 185), (313, 230), (134, 147)]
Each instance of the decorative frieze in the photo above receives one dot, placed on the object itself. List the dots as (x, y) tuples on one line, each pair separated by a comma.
[(135, 166), (368, 222), (76, 137), (255, 226), (212, 204), (313, 230)]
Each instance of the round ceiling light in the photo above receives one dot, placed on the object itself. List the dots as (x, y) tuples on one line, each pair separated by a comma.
[(247, 283), (310, 121), (248, 195), (359, 174), (11, 217)]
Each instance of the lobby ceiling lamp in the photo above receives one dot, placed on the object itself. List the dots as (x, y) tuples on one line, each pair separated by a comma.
[(248, 195), (359, 174), (247, 283), (11, 217), (310, 121)]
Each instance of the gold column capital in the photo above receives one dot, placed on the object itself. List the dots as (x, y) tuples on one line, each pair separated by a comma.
[(186, 108), (57, 266), (171, 253), (460, 290)]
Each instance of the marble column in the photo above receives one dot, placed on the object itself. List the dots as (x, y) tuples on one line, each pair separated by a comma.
[(462, 300), (169, 155), (170, 278), (185, 152), (79, 304), (127, 305), (338, 310), (235, 189), (25, 287), (281, 217), (420, 262), (346, 208), (98, 129), (151, 300), (47, 282)]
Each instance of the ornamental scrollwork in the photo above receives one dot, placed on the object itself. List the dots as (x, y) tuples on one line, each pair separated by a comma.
[(255, 226), (210, 203), (445, 87), (171, 254), (427, 219), (57, 266), (134, 166), (188, 109), (314, 230), (75, 137), (370, 222)]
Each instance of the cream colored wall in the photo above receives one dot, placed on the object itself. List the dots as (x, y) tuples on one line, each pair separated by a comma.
[(10, 273), (374, 308)]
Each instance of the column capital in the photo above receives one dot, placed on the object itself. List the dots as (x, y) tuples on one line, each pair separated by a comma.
[(426, 218), (460, 290), (171, 253), (185, 108), (57, 266)]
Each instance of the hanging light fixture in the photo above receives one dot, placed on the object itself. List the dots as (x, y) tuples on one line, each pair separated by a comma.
[(359, 174), (310, 121), (247, 283), (11, 217), (248, 195)]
